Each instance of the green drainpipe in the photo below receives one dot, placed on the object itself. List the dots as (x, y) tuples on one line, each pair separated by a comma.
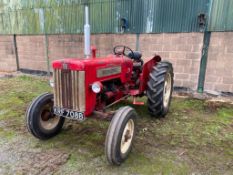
[(204, 56), (46, 42), (202, 73)]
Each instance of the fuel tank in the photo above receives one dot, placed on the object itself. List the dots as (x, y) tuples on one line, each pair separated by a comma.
[(75, 76)]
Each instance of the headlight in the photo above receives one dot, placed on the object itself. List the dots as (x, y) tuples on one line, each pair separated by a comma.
[(96, 87)]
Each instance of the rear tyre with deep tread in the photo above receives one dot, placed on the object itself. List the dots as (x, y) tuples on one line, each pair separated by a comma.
[(120, 135), (159, 89)]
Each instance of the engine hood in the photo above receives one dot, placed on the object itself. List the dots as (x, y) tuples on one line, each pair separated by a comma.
[(82, 64)]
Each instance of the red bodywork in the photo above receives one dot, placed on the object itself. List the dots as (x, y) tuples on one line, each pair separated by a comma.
[(91, 65)]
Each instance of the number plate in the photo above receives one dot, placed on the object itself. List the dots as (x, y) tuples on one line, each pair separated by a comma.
[(67, 113)]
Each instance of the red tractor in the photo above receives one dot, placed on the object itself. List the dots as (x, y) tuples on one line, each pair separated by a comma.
[(86, 86)]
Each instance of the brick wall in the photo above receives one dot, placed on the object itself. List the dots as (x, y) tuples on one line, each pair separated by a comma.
[(219, 73), (31, 52), (31, 49), (67, 46), (62, 46), (7, 53), (182, 49)]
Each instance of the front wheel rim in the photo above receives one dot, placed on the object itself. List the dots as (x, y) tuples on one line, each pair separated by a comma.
[(167, 90), (127, 136), (48, 120)]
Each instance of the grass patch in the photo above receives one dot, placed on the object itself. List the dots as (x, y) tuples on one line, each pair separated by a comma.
[(195, 137)]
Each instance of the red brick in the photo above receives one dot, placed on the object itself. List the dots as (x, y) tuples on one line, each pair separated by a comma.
[(178, 83), (193, 55), (197, 48), (190, 84), (7, 53), (6, 38), (182, 76), (163, 55), (183, 48), (179, 69), (169, 48), (213, 79), (208, 86), (177, 55), (183, 62), (179, 39), (194, 77), (228, 80), (222, 87), (156, 47)]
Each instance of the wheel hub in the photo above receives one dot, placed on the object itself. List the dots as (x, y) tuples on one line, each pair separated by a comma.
[(127, 136), (46, 115), (48, 120), (167, 90)]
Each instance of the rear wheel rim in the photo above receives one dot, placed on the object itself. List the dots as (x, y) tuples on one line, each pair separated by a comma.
[(127, 136), (167, 90), (48, 120)]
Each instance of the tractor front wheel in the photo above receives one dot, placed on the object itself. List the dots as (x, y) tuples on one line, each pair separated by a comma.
[(41, 121), (120, 135), (160, 87)]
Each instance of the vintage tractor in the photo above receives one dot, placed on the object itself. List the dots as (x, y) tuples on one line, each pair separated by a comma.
[(91, 85)]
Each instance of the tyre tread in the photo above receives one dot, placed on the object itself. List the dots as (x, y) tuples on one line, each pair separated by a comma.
[(155, 87)]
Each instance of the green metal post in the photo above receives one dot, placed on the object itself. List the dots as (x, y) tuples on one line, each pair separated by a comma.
[(46, 44), (16, 53), (203, 64), (47, 54), (137, 42), (204, 56)]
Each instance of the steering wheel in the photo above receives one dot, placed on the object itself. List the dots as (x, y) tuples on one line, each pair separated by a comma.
[(123, 50)]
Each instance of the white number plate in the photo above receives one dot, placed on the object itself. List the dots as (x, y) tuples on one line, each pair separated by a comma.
[(67, 113)]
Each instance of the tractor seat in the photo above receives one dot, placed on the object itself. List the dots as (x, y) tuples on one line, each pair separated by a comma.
[(136, 55)]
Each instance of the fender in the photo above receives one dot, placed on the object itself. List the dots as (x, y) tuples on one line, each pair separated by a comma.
[(147, 68)]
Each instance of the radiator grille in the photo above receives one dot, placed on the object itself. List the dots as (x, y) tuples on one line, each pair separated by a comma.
[(69, 89)]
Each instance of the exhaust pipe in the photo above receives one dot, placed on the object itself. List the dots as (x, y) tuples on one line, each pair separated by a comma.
[(87, 33)]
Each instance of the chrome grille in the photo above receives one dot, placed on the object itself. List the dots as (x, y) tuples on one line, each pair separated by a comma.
[(69, 89)]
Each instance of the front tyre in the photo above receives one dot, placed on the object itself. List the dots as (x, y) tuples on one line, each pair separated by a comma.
[(41, 121), (120, 135), (160, 87)]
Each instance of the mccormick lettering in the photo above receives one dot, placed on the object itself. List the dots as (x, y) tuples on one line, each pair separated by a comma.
[(108, 71)]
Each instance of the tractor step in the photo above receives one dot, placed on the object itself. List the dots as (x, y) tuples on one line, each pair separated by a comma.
[(139, 103)]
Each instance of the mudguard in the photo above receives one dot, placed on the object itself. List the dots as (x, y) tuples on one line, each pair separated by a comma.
[(147, 68)]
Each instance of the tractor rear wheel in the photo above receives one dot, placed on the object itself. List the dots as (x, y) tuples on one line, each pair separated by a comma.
[(120, 135), (41, 121), (160, 87)]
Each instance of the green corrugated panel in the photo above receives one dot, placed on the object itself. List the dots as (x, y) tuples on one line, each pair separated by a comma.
[(1, 24), (103, 16), (7, 5), (6, 23), (64, 19), (66, 16), (152, 16), (173, 16), (221, 16), (26, 22)]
